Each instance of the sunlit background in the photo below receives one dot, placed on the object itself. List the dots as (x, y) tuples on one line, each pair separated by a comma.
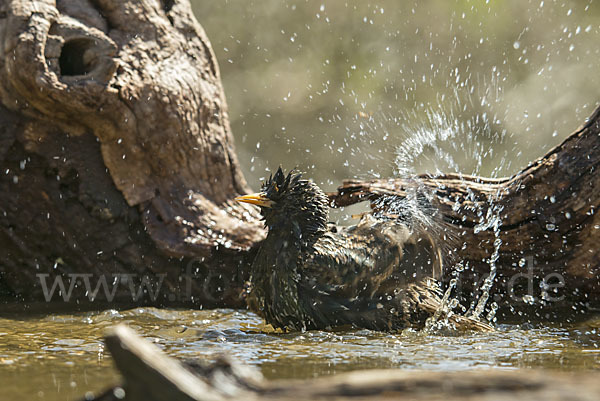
[(339, 89)]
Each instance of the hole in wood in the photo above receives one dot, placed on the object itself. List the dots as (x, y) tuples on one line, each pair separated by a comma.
[(168, 5), (72, 60)]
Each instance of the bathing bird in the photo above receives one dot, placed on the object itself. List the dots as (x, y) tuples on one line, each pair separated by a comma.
[(311, 274)]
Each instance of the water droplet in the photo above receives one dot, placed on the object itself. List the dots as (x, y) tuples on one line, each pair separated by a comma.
[(528, 299), (517, 45)]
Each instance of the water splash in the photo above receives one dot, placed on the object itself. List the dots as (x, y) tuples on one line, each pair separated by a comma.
[(493, 222), (440, 319), (458, 135)]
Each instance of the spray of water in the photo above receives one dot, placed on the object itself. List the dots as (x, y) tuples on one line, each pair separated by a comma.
[(458, 135)]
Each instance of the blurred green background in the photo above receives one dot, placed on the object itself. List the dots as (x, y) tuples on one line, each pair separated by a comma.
[(340, 89)]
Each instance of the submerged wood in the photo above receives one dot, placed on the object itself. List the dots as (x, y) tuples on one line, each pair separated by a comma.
[(549, 262), (148, 374)]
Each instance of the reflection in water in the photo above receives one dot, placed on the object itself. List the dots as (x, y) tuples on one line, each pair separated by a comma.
[(61, 357)]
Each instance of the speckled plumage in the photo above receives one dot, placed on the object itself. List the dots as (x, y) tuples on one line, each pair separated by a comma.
[(310, 275)]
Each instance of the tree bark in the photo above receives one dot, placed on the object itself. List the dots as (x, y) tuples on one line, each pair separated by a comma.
[(116, 155), (548, 260)]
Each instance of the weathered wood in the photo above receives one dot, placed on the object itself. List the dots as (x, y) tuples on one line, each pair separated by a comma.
[(549, 227), (148, 372), (150, 375), (115, 151)]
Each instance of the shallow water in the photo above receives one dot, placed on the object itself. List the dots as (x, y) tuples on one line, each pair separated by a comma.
[(61, 357)]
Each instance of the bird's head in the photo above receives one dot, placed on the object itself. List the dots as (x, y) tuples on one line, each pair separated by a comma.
[(291, 202)]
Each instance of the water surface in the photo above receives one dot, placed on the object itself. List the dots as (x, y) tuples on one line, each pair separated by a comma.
[(61, 357)]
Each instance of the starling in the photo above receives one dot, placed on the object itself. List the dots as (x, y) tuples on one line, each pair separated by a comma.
[(309, 274)]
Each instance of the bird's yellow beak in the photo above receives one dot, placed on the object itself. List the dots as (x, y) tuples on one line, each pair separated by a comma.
[(258, 198)]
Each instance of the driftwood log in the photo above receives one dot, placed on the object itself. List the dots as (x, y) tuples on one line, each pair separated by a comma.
[(118, 169), (148, 374)]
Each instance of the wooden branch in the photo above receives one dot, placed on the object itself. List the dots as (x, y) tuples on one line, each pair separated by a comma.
[(150, 375), (549, 226)]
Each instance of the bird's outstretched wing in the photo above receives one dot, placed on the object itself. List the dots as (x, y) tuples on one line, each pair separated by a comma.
[(360, 272)]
